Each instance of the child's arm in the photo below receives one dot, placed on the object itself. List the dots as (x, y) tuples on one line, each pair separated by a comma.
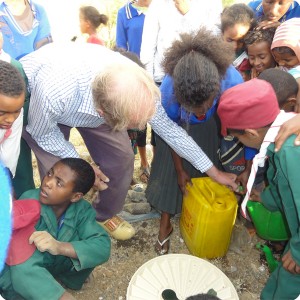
[(44, 241), (182, 177), (288, 185)]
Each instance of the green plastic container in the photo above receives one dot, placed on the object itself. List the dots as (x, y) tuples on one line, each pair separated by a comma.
[(269, 225)]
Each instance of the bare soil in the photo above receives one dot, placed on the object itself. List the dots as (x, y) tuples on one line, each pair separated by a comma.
[(242, 264)]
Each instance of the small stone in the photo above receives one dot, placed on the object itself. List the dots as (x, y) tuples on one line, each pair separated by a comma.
[(262, 269), (136, 196), (137, 208), (233, 269)]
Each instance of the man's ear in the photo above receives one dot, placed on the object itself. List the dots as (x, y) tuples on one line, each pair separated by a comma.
[(76, 197), (100, 112), (252, 133)]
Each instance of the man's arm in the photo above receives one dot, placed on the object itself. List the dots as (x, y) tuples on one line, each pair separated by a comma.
[(44, 113), (178, 139)]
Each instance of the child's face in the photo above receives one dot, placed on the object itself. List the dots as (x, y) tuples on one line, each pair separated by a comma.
[(252, 137), (234, 35), (10, 108), (285, 59), (260, 56), (201, 110), (275, 9), (57, 187), (83, 23)]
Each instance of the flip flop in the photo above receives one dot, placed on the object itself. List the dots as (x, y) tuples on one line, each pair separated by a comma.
[(160, 244)]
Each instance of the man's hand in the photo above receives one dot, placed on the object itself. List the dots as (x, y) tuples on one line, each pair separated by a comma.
[(100, 179), (288, 128), (289, 264), (44, 241), (224, 178)]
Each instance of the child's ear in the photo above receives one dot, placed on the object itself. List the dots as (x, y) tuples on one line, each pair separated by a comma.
[(76, 197), (252, 133), (289, 105)]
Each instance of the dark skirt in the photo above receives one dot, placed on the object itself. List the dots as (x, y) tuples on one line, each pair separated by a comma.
[(163, 192)]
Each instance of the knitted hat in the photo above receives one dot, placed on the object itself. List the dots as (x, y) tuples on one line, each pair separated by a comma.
[(288, 35), (249, 105), (25, 215)]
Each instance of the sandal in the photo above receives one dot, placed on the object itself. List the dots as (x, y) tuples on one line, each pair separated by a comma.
[(159, 246), (145, 174)]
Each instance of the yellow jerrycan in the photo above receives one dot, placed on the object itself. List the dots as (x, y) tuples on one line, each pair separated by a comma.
[(207, 219)]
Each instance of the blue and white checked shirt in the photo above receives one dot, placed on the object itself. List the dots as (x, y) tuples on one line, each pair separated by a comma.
[(60, 77)]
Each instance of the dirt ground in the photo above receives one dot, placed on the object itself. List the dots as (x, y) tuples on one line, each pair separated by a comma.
[(242, 264)]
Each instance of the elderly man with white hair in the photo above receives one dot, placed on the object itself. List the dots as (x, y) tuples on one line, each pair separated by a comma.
[(102, 94)]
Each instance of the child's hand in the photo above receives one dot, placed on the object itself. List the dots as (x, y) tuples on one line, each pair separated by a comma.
[(267, 24), (100, 180), (288, 128), (255, 195), (44, 241), (289, 264), (183, 179), (242, 179)]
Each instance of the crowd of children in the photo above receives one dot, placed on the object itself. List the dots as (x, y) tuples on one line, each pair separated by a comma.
[(243, 81)]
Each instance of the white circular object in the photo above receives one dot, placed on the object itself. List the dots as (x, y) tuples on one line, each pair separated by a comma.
[(186, 275)]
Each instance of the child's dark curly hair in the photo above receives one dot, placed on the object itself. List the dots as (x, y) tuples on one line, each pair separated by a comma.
[(12, 83), (197, 62), (259, 35), (85, 175), (239, 13)]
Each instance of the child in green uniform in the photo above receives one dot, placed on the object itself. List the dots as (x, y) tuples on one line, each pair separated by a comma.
[(69, 242), (23, 177), (255, 119)]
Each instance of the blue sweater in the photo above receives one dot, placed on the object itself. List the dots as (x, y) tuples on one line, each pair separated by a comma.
[(16, 42), (178, 113), (130, 23), (292, 12)]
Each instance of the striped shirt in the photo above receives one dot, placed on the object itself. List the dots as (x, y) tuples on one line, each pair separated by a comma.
[(60, 78)]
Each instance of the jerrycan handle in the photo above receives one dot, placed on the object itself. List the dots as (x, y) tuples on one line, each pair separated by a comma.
[(208, 193), (210, 196)]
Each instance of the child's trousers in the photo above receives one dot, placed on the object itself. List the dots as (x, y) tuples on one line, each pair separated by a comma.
[(37, 278)]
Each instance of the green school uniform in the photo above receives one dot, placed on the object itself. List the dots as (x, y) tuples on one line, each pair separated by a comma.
[(283, 193), (23, 180), (35, 279)]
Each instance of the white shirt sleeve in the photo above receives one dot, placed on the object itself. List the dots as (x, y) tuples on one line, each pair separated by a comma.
[(10, 147), (43, 126), (178, 139)]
